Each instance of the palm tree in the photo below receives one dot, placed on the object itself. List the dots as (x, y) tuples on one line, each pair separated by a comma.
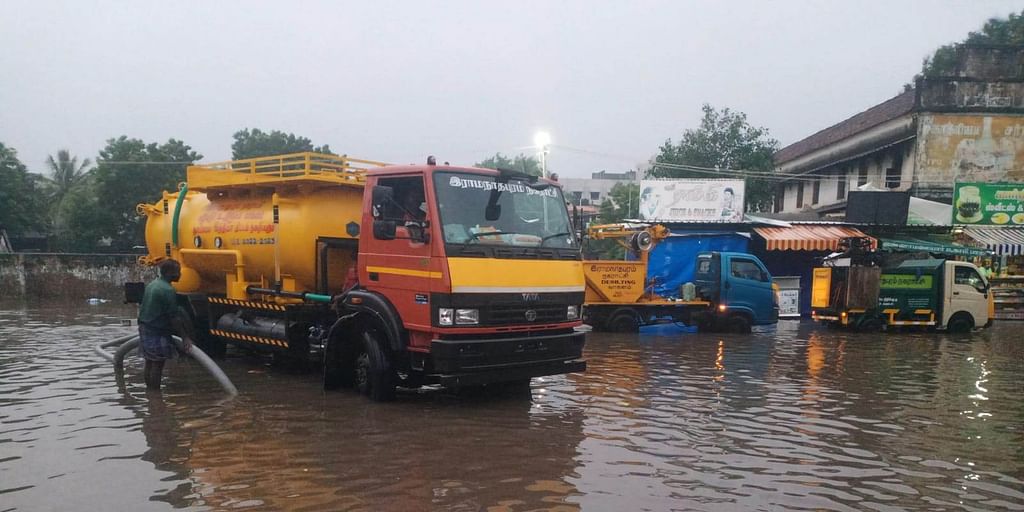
[(65, 173)]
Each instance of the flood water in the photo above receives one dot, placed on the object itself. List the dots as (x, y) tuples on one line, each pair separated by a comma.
[(791, 418)]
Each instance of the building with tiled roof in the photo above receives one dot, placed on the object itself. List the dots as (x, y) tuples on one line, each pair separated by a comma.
[(968, 126)]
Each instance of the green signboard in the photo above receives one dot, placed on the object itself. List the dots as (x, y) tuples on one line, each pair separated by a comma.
[(905, 282), (989, 203)]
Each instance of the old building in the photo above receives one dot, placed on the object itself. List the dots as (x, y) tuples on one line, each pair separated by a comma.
[(592, 191), (968, 127)]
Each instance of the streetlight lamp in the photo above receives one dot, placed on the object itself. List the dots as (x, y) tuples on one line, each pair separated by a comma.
[(542, 140)]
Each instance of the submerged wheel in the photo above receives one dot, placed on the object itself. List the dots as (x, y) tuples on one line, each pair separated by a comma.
[(739, 324), (960, 322), (624, 321), (373, 374), (870, 325)]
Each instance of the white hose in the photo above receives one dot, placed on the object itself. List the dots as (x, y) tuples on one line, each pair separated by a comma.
[(210, 366), (126, 344)]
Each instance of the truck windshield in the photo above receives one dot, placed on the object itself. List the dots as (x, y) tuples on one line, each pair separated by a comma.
[(481, 209)]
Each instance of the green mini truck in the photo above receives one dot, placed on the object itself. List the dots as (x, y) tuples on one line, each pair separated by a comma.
[(937, 294)]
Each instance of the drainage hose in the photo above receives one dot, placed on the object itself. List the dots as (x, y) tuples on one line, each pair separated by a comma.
[(99, 349), (126, 344)]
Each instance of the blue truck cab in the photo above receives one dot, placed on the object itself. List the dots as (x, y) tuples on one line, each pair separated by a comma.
[(740, 290)]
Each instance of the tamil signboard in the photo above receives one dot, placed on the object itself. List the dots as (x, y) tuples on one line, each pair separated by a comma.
[(969, 147), (989, 203), (691, 200)]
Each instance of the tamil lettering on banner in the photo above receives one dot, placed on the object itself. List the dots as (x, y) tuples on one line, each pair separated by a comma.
[(988, 203), (691, 200), (979, 148)]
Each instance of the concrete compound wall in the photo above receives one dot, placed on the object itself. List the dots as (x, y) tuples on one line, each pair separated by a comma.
[(68, 276)]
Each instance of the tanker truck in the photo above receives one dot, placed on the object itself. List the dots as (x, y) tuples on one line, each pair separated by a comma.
[(382, 276)]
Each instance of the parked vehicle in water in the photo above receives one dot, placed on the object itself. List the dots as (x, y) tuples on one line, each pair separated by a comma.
[(732, 291), (853, 289), (385, 276)]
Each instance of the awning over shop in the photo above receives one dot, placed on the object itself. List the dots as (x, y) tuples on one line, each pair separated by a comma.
[(805, 238), (1000, 240), (931, 246)]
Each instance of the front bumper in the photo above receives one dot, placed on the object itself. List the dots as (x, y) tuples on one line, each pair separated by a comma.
[(483, 361)]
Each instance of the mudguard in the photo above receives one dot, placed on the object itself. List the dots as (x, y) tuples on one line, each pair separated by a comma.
[(378, 307)]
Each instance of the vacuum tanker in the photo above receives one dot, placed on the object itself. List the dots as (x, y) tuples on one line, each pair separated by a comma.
[(386, 276)]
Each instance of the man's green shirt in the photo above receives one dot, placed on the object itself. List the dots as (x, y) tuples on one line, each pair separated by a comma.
[(158, 306)]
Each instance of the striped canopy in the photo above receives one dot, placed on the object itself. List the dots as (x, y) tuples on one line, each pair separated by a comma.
[(1000, 240), (806, 237)]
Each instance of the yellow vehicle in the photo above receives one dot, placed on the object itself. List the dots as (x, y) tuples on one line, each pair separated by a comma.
[(385, 275), (731, 291)]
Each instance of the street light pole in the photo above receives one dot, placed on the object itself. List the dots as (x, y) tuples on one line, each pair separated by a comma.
[(542, 140)]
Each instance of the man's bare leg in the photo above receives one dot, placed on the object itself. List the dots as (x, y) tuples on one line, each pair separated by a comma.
[(153, 374)]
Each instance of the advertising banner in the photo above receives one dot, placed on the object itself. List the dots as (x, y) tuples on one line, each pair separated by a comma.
[(969, 147), (691, 200), (989, 203)]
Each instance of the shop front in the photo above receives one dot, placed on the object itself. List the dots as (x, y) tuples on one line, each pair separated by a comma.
[(794, 251), (1007, 247)]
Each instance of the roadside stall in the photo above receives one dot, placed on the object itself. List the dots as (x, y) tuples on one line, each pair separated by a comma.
[(1007, 246), (992, 216), (794, 250)]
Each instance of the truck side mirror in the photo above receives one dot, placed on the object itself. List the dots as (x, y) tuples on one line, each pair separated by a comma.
[(384, 229), (418, 232), (381, 197), (492, 212)]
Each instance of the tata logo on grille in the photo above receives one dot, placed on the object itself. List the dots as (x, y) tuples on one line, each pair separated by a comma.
[(530, 315), (531, 297)]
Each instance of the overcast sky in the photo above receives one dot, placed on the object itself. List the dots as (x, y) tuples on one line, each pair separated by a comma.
[(396, 81)]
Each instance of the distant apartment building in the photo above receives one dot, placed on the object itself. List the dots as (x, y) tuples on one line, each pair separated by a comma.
[(593, 191), (968, 126)]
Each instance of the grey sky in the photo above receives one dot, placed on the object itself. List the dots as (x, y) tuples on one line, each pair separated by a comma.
[(461, 80)]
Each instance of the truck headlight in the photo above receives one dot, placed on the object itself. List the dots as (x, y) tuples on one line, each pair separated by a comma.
[(445, 316), (467, 316), (572, 313)]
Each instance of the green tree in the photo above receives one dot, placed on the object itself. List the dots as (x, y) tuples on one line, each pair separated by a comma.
[(622, 203), (1009, 30), (128, 172), (256, 143), (65, 172), (22, 195), (522, 163), (726, 141)]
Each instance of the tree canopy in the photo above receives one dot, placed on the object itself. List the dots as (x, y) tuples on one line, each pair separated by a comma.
[(724, 140), (256, 143), (1009, 30), (65, 173), (622, 203), (22, 195), (128, 172), (522, 163)]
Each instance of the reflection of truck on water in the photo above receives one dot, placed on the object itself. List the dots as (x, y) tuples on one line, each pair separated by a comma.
[(852, 289), (732, 291), (436, 274)]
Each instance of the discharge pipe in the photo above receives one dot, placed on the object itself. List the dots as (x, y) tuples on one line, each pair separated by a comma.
[(312, 297), (128, 343)]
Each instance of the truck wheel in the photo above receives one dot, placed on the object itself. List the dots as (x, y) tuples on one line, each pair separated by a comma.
[(739, 324), (870, 325), (374, 376), (960, 322), (624, 322)]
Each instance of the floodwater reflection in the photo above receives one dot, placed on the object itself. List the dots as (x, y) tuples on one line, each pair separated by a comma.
[(790, 417)]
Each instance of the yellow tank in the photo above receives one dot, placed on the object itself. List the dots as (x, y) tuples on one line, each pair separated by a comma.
[(227, 236)]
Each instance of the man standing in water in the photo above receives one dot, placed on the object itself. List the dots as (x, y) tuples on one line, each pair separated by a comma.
[(158, 320)]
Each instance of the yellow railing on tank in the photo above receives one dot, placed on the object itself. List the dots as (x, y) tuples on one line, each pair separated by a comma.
[(307, 166)]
